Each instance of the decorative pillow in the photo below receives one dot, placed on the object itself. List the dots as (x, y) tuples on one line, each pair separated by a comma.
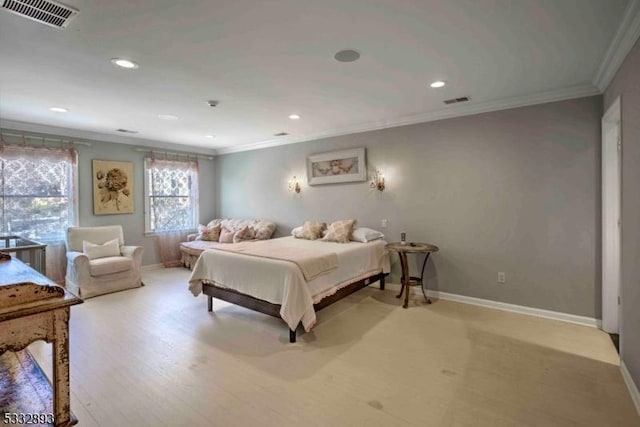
[(296, 231), (226, 235), (245, 233), (311, 230), (208, 233), (107, 249), (340, 231), (364, 235), (264, 230)]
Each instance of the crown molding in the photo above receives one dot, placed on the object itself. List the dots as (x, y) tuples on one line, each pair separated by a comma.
[(626, 35), (445, 113), (66, 133)]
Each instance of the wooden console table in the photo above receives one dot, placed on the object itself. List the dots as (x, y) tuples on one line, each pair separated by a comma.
[(34, 308)]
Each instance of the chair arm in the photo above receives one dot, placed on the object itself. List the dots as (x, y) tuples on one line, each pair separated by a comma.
[(78, 269), (191, 237), (77, 259), (133, 252)]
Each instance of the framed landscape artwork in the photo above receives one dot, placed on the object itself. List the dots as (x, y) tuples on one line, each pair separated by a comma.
[(337, 166), (112, 187)]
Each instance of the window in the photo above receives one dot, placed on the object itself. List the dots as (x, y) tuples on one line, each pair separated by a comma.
[(36, 192), (171, 195)]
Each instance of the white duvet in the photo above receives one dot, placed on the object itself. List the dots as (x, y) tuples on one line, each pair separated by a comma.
[(282, 282)]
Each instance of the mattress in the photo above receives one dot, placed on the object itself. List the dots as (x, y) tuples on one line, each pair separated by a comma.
[(281, 282)]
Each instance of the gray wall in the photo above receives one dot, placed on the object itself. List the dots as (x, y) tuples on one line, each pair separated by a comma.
[(515, 191), (133, 224), (626, 84)]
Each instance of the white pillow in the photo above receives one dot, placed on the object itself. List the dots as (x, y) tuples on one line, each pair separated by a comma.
[(93, 251), (364, 235), (296, 231)]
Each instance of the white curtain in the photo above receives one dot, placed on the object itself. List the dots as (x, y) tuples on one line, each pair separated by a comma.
[(27, 167), (169, 241)]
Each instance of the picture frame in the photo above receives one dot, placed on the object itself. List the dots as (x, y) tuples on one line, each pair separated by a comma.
[(337, 167), (113, 189)]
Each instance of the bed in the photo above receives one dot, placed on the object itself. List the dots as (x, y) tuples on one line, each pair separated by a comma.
[(320, 274)]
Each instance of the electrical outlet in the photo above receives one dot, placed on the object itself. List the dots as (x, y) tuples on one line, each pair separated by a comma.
[(384, 223), (502, 277)]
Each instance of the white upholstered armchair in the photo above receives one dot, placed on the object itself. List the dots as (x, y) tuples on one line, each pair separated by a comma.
[(95, 272)]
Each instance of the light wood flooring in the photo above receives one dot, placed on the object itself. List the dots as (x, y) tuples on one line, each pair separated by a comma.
[(153, 356)]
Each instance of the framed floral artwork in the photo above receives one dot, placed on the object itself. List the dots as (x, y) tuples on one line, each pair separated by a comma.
[(337, 166), (112, 187)]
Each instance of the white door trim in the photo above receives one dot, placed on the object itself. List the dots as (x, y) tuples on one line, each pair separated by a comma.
[(611, 217)]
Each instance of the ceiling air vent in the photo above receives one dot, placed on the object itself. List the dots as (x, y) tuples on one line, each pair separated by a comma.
[(280, 134), (126, 131), (45, 11), (456, 100)]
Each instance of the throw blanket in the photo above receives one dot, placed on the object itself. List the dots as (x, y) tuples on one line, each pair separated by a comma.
[(312, 263)]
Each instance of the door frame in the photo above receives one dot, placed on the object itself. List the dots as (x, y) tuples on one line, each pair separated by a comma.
[(611, 217)]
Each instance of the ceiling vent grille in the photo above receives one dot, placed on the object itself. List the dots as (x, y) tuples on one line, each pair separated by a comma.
[(456, 100), (45, 11)]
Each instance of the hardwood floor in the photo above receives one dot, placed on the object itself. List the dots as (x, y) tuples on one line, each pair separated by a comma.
[(153, 356)]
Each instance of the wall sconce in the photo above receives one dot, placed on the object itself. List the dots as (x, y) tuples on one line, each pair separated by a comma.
[(377, 181), (294, 185)]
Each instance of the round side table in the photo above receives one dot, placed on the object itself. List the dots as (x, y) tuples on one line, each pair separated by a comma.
[(408, 280)]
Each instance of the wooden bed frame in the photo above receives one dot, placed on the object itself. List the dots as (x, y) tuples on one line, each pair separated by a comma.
[(265, 307)]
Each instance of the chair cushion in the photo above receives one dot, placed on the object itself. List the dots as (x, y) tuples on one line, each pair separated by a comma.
[(110, 265)]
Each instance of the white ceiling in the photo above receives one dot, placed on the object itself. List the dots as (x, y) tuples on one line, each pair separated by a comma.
[(264, 60)]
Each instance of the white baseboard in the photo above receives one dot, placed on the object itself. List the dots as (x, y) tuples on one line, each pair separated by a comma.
[(631, 385), (150, 267), (521, 309)]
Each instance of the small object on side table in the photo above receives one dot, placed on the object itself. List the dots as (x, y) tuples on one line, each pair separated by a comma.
[(407, 280)]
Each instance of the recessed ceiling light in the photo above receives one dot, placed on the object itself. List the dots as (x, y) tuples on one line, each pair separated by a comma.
[(167, 117), (347, 55), (58, 109), (209, 136), (124, 63), (294, 116), (437, 84)]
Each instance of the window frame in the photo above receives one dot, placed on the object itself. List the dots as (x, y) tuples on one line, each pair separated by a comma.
[(193, 196)]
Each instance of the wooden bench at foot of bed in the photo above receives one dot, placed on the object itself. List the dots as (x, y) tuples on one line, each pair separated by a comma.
[(271, 309)]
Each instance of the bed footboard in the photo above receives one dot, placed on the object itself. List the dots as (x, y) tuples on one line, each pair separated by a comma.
[(247, 301)]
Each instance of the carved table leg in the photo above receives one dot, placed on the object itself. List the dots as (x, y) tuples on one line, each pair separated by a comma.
[(209, 303), (61, 388), (422, 278), (406, 279), (403, 262)]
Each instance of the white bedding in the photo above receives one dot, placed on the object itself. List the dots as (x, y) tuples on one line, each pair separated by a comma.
[(282, 282)]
